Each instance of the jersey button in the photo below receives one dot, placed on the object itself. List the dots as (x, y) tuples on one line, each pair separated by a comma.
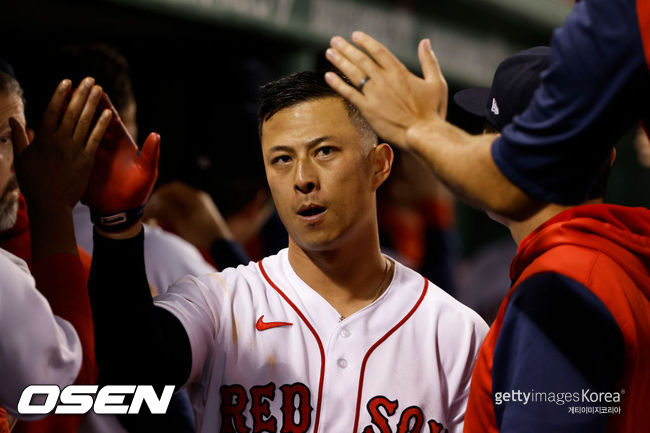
[(342, 363), (345, 333)]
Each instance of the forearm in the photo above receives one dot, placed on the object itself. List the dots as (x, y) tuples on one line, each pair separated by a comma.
[(464, 163), (126, 321)]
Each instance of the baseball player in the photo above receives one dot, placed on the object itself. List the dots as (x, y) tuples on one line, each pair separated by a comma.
[(38, 347), (329, 335)]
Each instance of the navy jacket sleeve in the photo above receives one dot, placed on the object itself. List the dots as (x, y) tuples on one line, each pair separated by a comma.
[(594, 91), (558, 342), (136, 342)]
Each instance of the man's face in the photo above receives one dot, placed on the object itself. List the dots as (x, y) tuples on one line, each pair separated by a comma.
[(319, 169), (10, 106)]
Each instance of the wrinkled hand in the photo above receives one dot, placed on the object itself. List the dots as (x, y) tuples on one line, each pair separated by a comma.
[(122, 178), (188, 212), (392, 99), (54, 170)]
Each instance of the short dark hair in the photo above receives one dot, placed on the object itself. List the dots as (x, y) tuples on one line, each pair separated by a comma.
[(104, 63), (301, 87), (101, 61)]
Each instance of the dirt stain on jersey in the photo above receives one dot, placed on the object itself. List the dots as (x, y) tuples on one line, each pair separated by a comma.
[(271, 361), (235, 334), (222, 283)]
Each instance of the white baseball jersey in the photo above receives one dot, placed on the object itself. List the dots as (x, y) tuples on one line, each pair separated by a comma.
[(36, 346), (269, 354)]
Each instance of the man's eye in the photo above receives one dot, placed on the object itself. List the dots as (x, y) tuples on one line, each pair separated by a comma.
[(6, 139), (325, 151), (282, 159)]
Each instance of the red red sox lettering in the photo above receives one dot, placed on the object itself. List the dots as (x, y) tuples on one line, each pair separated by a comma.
[(411, 420), (297, 411)]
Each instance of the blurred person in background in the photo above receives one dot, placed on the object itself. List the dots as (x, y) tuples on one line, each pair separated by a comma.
[(38, 229), (192, 214), (167, 256), (417, 222)]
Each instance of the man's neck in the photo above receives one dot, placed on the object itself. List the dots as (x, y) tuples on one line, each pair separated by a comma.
[(521, 229), (349, 277)]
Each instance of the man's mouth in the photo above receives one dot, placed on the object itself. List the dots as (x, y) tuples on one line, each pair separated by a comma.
[(311, 212)]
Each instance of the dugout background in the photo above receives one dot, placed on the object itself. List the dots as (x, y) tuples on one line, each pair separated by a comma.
[(196, 66)]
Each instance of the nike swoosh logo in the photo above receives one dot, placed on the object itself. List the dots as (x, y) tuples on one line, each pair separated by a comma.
[(261, 325)]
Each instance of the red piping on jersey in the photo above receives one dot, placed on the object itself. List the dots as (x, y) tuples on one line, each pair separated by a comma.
[(374, 346), (313, 331)]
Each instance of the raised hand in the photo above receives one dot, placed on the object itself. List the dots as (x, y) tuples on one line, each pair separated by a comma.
[(388, 95), (123, 176), (54, 169)]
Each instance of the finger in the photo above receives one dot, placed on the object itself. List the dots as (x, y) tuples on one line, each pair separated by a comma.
[(355, 56), (430, 67), (354, 74), (97, 133), (87, 116), (150, 153), (72, 113), (55, 107), (344, 89), (19, 138), (377, 51)]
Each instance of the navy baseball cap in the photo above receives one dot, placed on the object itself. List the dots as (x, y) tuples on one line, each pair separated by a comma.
[(513, 86)]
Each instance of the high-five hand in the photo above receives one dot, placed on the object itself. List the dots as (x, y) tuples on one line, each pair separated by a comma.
[(54, 169), (388, 95), (123, 176)]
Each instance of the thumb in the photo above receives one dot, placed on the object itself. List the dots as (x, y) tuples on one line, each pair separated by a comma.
[(19, 138), (428, 61), (150, 153)]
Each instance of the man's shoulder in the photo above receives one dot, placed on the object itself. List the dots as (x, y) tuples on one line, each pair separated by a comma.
[(249, 276), (439, 303)]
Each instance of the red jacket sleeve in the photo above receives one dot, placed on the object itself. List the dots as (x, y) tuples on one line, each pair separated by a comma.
[(63, 280)]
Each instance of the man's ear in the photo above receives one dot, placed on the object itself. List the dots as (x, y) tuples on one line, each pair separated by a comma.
[(612, 156), (382, 163)]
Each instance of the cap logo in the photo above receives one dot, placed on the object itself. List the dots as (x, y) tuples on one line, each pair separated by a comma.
[(495, 107)]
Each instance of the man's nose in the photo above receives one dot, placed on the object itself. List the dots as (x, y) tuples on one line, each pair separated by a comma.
[(306, 179)]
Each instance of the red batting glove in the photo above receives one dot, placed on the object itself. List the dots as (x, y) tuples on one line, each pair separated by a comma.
[(122, 177)]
